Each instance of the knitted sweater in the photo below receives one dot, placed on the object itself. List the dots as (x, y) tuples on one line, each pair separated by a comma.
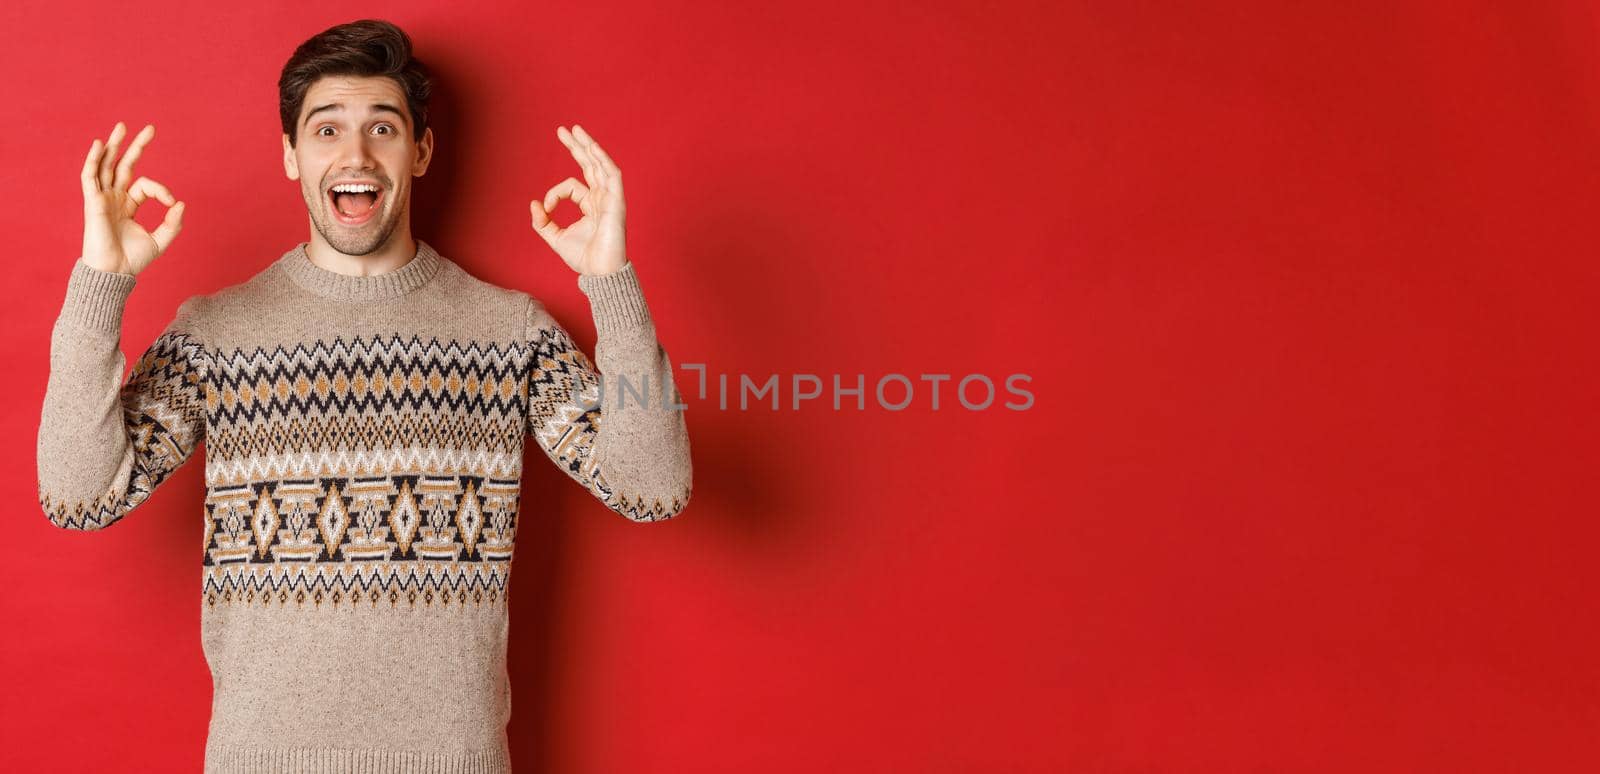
[(364, 441)]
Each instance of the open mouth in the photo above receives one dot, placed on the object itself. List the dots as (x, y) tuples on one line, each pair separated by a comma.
[(355, 203)]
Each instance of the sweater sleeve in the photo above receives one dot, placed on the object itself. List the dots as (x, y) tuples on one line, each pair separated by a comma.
[(105, 445), (630, 446)]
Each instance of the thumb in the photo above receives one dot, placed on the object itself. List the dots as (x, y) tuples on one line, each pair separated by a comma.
[(169, 228)]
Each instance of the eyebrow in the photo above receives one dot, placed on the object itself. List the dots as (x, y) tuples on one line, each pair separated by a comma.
[(382, 107)]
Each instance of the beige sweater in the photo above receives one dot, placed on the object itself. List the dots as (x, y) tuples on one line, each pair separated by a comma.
[(364, 441)]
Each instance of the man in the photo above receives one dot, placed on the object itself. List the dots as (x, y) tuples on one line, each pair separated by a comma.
[(364, 403)]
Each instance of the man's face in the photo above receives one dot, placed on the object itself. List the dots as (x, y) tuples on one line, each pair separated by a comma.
[(356, 130)]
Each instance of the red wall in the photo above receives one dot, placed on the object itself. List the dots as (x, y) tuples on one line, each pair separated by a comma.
[(1307, 296)]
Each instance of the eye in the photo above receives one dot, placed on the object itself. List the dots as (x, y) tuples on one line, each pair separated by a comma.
[(384, 126), (320, 129)]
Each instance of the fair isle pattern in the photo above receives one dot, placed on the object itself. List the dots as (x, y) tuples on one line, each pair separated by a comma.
[(299, 506), (565, 418), (385, 539), (396, 584), (367, 407), (163, 406), (385, 470), (379, 470), (362, 491)]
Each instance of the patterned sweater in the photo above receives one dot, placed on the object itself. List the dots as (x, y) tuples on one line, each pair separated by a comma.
[(364, 440)]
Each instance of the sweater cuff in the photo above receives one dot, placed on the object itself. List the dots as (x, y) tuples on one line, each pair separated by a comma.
[(616, 299), (95, 298)]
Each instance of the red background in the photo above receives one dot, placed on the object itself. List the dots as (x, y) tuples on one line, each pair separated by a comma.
[(1307, 295)]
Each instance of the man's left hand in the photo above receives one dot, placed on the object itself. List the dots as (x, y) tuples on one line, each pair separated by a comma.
[(594, 243)]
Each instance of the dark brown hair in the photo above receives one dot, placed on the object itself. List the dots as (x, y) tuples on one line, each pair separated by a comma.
[(364, 48)]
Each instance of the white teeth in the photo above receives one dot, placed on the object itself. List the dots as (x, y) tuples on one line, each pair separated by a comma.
[(355, 188)]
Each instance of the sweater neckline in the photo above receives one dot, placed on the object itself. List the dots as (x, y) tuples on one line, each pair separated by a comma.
[(390, 284)]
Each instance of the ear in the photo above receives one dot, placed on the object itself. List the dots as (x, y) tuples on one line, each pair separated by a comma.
[(291, 167), (424, 153)]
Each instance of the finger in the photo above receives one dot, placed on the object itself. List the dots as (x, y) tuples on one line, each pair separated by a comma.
[(110, 158), (566, 189), (601, 176), (592, 148), (613, 174), (577, 153), (144, 188), (542, 222), (135, 148), (90, 176), (169, 228)]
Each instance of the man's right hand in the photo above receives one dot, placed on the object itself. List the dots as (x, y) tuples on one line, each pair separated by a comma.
[(112, 239)]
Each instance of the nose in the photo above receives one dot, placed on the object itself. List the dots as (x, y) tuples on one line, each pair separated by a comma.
[(354, 152)]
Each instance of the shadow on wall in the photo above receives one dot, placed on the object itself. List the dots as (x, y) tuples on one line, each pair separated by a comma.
[(430, 198)]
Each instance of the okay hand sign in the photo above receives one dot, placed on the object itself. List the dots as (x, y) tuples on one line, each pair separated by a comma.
[(112, 240), (594, 244)]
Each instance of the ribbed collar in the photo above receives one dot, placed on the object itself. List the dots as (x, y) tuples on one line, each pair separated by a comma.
[(390, 284)]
